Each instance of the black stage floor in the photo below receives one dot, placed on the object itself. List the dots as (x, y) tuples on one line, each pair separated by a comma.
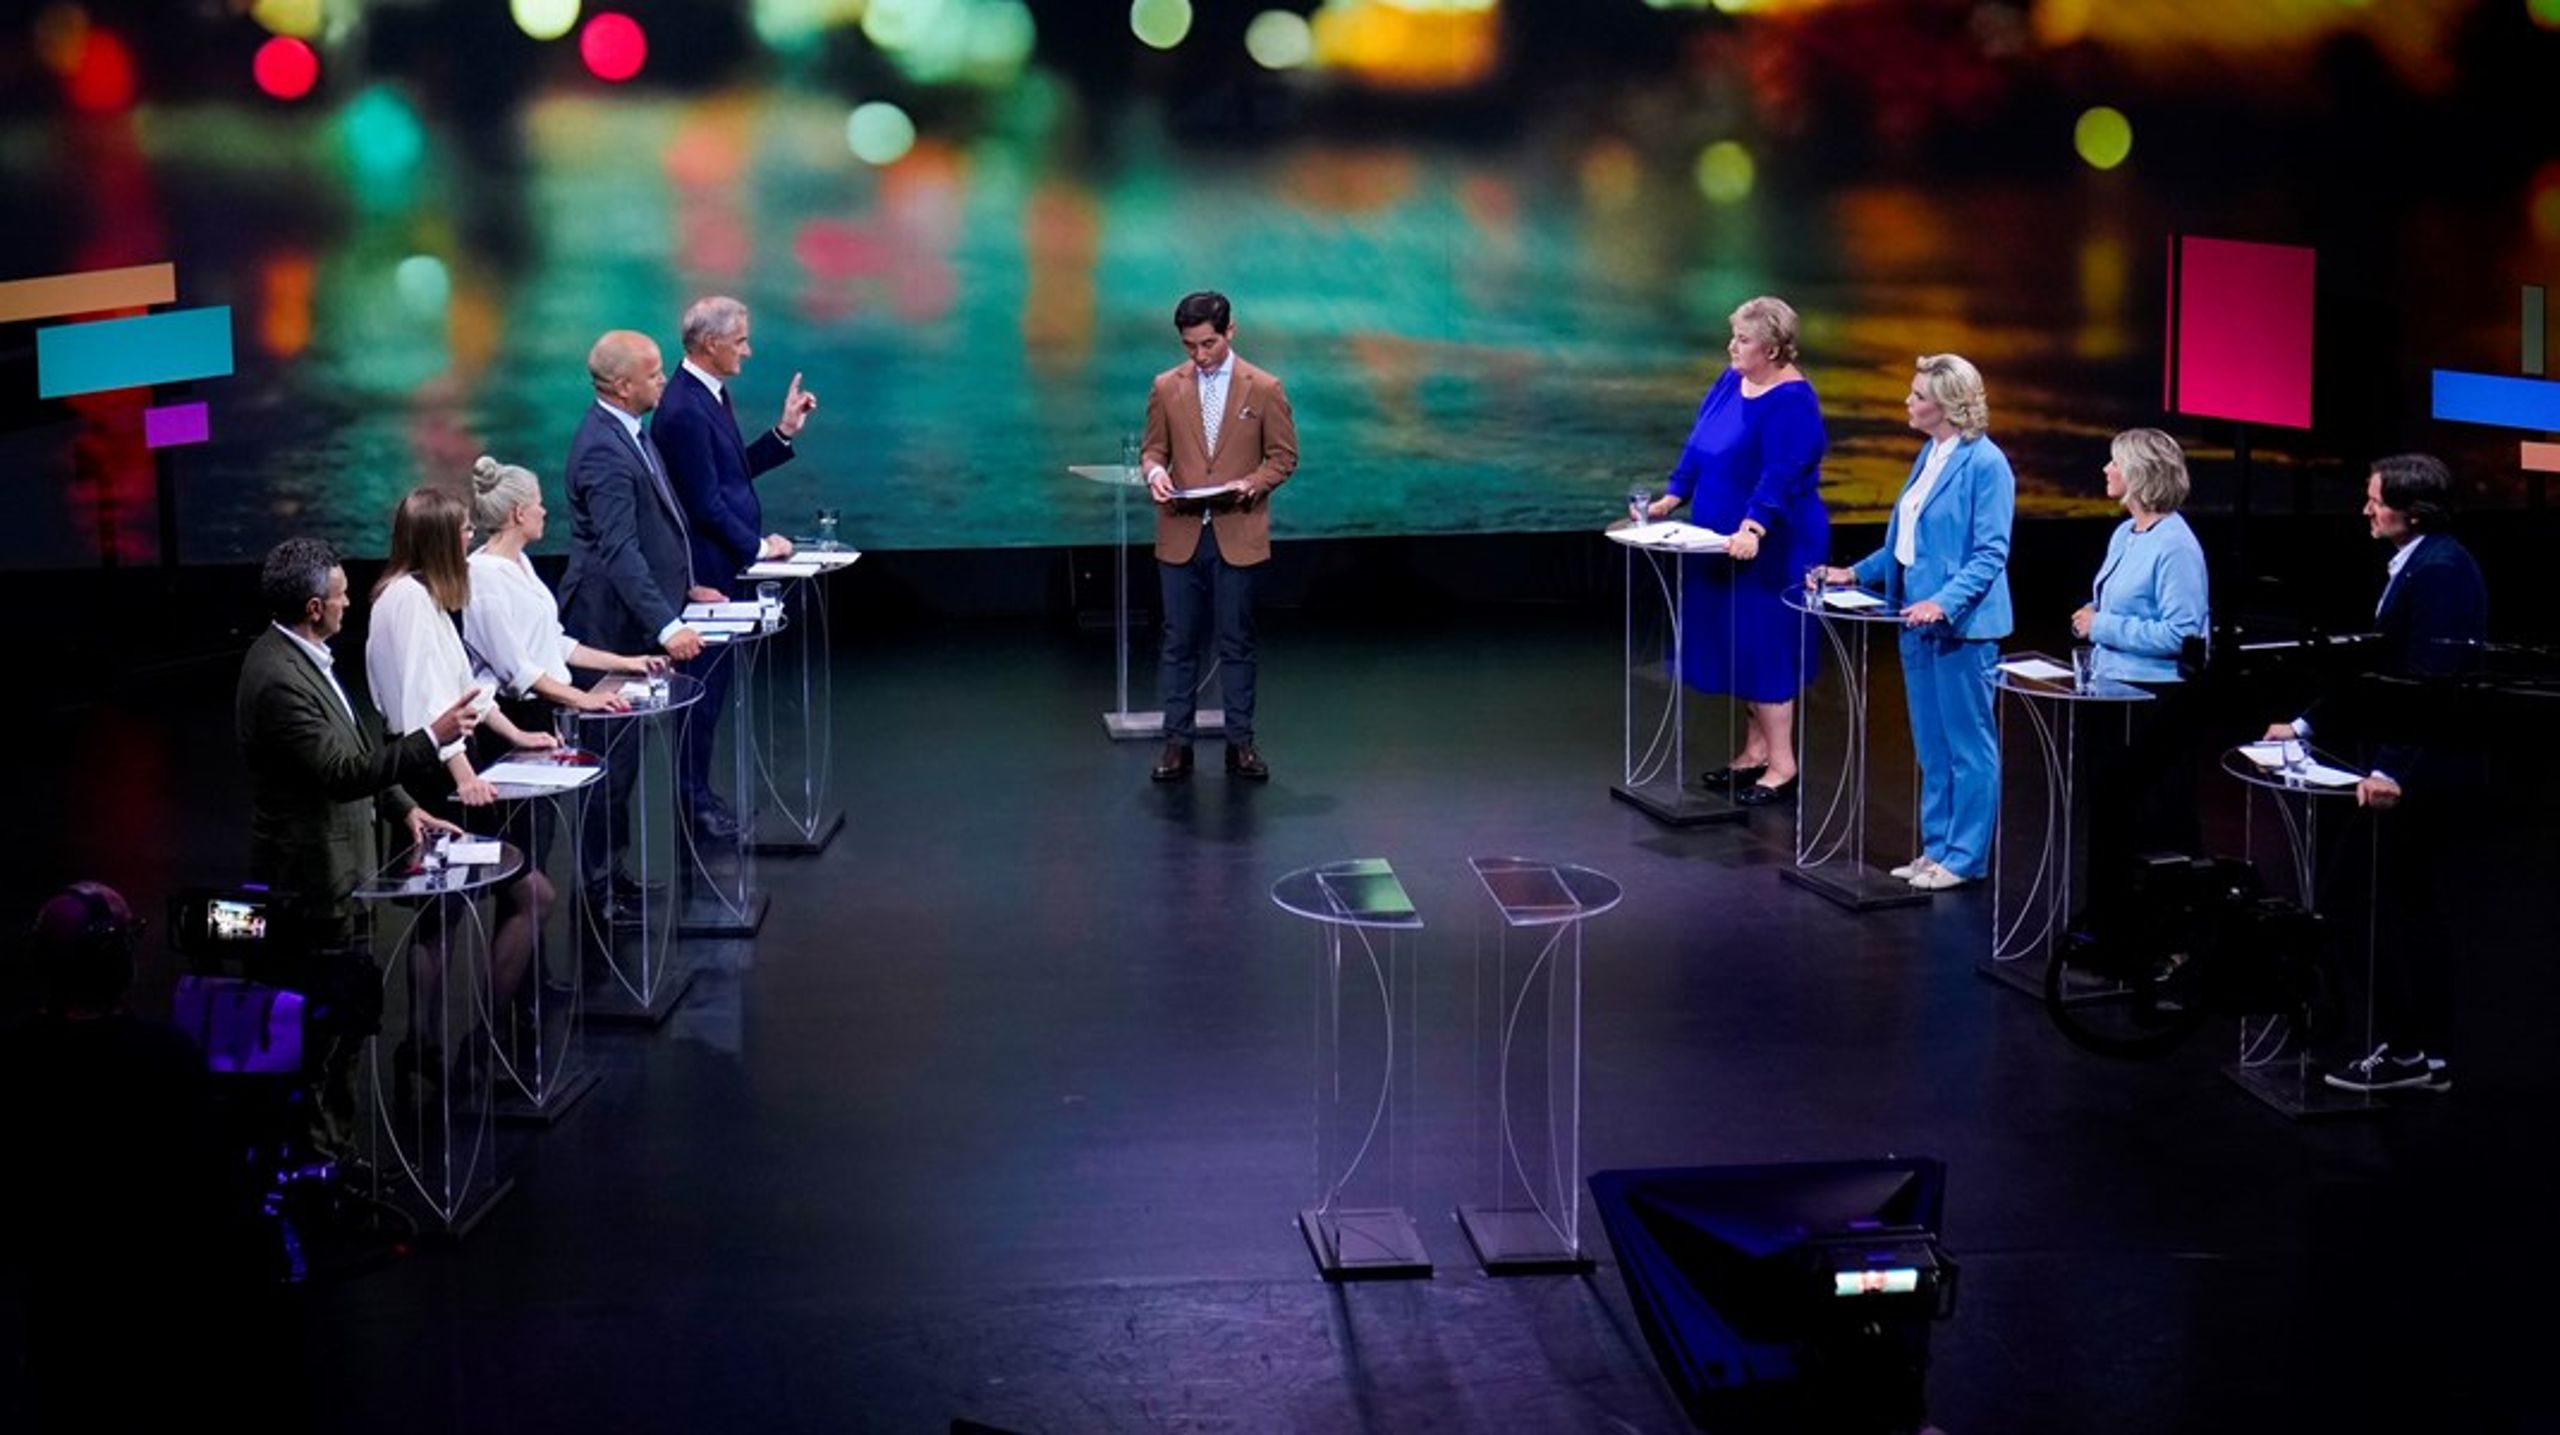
[(1005, 1116)]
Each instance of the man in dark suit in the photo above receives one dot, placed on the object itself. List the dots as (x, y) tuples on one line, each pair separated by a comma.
[(2430, 623), (630, 569), (714, 467), (320, 775), (319, 772), (1214, 421)]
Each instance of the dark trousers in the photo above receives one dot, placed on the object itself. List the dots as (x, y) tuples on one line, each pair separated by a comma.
[(2140, 766), (1204, 596), (702, 729)]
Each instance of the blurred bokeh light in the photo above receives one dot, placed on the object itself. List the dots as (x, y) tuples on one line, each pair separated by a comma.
[(544, 19), (2103, 137), (879, 132), (1280, 40), (613, 47), (1160, 24), (1410, 44), (1725, 172), (285, 68)]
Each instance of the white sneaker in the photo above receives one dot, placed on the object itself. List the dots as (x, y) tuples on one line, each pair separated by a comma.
[(1912, 868), (1937, 879)]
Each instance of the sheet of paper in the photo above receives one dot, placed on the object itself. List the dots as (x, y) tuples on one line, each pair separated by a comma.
[(1851, 599), (723, 627), (2036, 670), (1214, 490), (749, 610), (478, 853), (784, 568), (540, 774), (1670, 533), (2269, 755), (827, 559)]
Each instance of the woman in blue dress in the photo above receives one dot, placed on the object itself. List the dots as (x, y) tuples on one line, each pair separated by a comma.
[(1753, 469)]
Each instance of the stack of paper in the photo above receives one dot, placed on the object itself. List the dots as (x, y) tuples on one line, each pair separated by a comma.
[(1850, 599), (829, 559), (514, 773), (794, 567), (2036, 670), (1671, 533)]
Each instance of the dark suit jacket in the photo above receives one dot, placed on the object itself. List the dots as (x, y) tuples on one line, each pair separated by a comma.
[(714, 471), (2401, 714), (318, 779), (628, 561), (1257, 442)]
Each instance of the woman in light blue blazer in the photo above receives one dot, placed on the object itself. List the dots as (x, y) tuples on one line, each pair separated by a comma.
[(1945, 563), (2148, 609)]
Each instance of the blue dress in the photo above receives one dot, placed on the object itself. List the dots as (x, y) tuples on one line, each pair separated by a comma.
[(1761, 459)]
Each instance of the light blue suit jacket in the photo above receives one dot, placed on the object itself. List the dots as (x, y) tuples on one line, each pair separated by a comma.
[(1961, 548)]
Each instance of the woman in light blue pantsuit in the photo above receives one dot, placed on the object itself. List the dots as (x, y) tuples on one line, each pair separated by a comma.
[(1945, 562)]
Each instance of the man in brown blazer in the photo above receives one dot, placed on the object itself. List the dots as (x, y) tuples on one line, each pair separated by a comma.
[(1213, 422)]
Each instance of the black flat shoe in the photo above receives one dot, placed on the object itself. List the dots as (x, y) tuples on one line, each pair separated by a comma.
[(1732, 776), (1762, 795)]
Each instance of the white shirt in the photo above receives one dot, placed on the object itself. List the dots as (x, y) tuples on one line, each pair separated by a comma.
[(1906, 549), (512, 624), (323, 659), (2399, 560), (414, 660), (709, 379)]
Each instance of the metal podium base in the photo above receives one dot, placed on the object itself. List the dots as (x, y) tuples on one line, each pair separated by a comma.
[(788, 841), (1518, 1243), (711, 917), (1679, 807), (2293, 1086), (1364, 1245), (1149, 726), (1859, 889), (610, 1005), (515, 1110)]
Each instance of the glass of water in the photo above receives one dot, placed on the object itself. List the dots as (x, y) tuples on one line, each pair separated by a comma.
[(1639, 505), (2084, 661), (769, 601), (564, 726), (826, 530)]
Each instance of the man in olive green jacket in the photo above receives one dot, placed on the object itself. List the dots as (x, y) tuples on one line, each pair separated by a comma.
[(320, 771)]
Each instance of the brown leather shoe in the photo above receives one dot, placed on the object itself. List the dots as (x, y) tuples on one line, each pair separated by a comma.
[(1245, 761), (1174, 763)]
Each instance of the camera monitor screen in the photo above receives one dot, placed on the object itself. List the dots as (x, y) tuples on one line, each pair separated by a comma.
[(227, 920)]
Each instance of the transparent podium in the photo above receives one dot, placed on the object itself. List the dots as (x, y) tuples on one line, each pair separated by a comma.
[(1654, 759), (433, 1137), (645, 974), (798, 815), (2274, 1062), (1359, 1227), (1831, 828), (1122, 723), (2032, 897), (1529, 1058), (719, 892), (540, 1053)]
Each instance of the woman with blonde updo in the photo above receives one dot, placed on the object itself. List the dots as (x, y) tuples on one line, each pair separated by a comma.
[(513, 622)]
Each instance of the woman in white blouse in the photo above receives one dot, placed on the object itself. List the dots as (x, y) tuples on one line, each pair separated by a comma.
[(414, 659), (512, 622)]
